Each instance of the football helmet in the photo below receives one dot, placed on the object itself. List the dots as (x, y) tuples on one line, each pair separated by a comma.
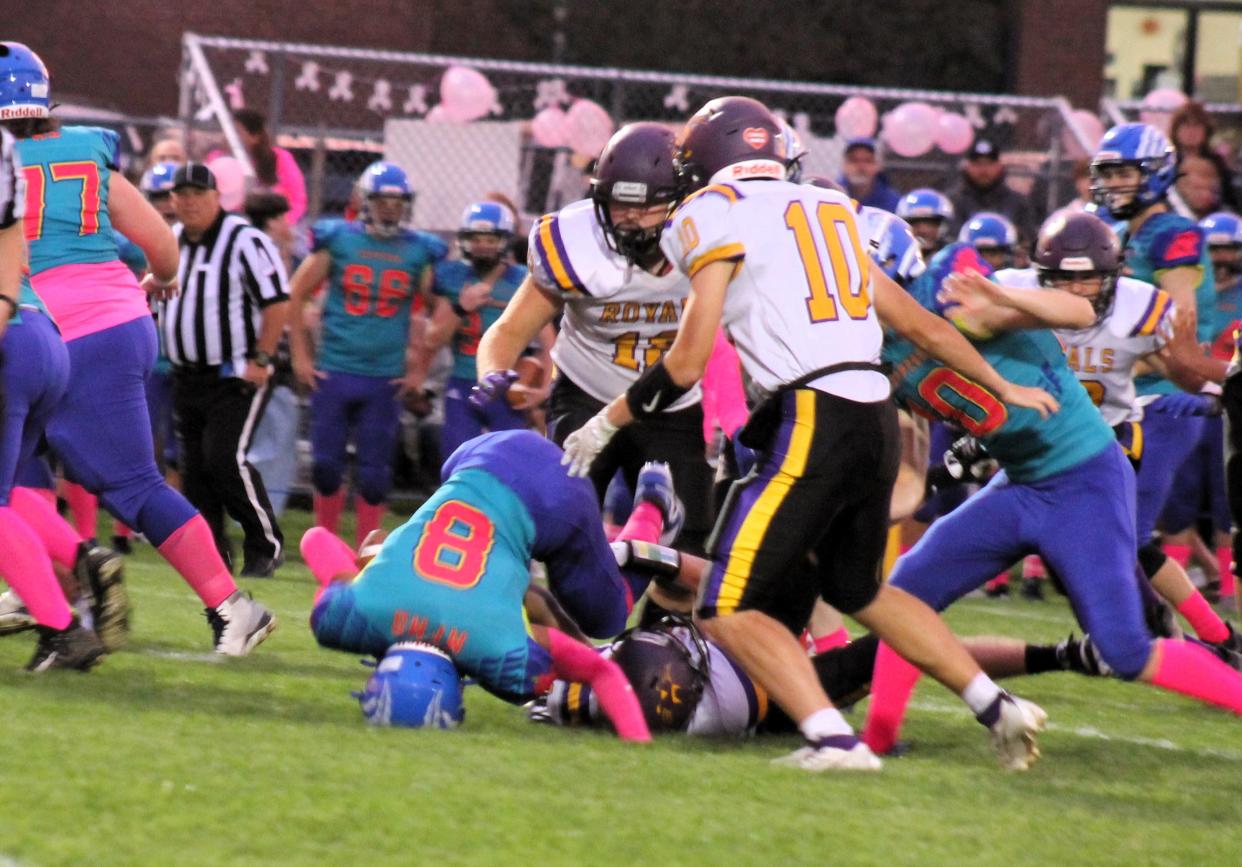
[(415, 685), (635, 169), (1079, 245), (668, 679), (383, 180), (731, 138), (25, 86), (158, 180), (795, 151), (485, 218), (824, 183), (989, 231), (1143, 147), (926, 204), (1222, 229), (891, 244)]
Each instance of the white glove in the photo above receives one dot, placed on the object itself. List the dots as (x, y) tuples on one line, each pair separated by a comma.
[(584, 445)]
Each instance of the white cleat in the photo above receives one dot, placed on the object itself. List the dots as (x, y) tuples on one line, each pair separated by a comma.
[(1013, 732), (14, 617), (836, 753), (239, 624)]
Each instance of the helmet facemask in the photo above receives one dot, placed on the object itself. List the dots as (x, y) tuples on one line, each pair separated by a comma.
[(385, 228), (483, 261)]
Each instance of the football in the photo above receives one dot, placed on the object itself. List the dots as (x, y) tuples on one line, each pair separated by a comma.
[(530, 374)]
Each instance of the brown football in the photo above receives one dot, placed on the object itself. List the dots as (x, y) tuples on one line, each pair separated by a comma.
[(530, 373)]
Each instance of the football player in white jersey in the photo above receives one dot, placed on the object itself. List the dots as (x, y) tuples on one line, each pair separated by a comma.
[(1134, 321), (783, 267), (599, 262)]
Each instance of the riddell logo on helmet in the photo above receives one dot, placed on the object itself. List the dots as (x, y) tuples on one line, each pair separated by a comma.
[(755, 136), (757, 169), (16, 112)]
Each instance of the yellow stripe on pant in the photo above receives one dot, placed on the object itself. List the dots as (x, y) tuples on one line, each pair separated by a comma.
[(755, 526)]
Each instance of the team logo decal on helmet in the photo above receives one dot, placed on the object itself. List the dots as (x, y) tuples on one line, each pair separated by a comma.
[(668, 679), (755, 136), (731, 138)]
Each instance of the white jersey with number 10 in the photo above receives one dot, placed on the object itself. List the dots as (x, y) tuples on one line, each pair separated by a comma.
[(800, 298)]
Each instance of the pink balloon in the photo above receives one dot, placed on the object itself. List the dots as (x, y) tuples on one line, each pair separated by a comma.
[(856, 118), (550, 127), (910, 129), (953, 133), (440, 114), (1089, 125), (1159, 106), (589, 128), (230, 181), (466, 94)]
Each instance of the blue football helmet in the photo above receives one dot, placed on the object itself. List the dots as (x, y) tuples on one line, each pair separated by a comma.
[(158, 180), (927, 205), (382, 180), (1222, 229), (989, 231), (891, 244), (25, 87), (485, 219), (415, 685), (1143, 147)]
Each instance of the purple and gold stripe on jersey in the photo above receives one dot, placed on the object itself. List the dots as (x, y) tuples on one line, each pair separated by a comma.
[(1156, 309), (551, 249), (729, 192), (735, 549), (756, 695), (724, 253), (1130, 437)]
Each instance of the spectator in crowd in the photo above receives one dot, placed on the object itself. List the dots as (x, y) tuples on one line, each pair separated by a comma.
[(1191, 130), (1198, 186), (981, 186), (1082, 188), (862, 175), (274, 449), (275, 168), (168, 147)]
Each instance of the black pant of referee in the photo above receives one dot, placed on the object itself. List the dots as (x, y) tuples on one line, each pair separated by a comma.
[(216, 417)]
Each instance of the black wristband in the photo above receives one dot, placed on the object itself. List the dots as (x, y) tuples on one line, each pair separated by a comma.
[(653, 392), (459, 310), (12, 304)]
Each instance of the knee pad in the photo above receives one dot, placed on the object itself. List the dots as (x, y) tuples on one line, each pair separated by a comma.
[(326, 477), (1151, 557)]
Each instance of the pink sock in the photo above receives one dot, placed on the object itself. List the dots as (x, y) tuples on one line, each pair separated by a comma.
[(1194, 671), (1224, 562), (1180, 553), (722, 388), (892, 682), (646, 523), (578, 663), (83, 506), (191, 550), (28, 569), (369, 518), (1033, 567), (328, 508), (1001, 580), (326, 555), (46, 493), (60, 539), (1202, 619), (825, 643), (612, 531)]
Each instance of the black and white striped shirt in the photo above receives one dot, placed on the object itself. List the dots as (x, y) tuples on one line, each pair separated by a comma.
[(226, 278), (12, 188)]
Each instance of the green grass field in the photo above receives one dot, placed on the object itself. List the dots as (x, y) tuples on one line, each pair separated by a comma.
[(167, 754)]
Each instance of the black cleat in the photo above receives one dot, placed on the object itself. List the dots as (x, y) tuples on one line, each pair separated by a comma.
[(122, 545), (103, 572), (74, 647), (1033, 589), (1080, 655), (1230, 650), (261, 567), (996, 591)]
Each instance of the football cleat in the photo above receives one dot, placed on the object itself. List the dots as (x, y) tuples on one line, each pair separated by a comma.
[(655, 486), (239, 624), (1033, 589), (14, 617), (103, 572), (833, 753), (1013, 724), (1230, 650), (74, 647), (1080, 655)]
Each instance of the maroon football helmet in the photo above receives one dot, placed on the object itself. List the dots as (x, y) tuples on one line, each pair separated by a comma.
[(1078, 245), (635, 168), (731, 131)]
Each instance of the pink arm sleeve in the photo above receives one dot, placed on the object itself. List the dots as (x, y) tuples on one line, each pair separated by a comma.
[(291, 184), (724, 400)]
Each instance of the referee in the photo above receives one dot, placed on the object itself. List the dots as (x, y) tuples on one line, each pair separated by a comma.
[(220, 334)]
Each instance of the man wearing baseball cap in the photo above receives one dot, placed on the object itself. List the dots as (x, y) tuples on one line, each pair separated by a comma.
[(981, 186), (862, 175)]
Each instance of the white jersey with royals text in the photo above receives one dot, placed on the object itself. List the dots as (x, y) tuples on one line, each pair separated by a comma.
[(619, 318), (731, 704), (800, 297), (1103, 356)]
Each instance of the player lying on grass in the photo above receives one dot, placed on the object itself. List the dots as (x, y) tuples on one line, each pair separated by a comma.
[(457, 575), (1065, 491)]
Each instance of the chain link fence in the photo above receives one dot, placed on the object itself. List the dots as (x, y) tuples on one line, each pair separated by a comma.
[(530, 131)]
